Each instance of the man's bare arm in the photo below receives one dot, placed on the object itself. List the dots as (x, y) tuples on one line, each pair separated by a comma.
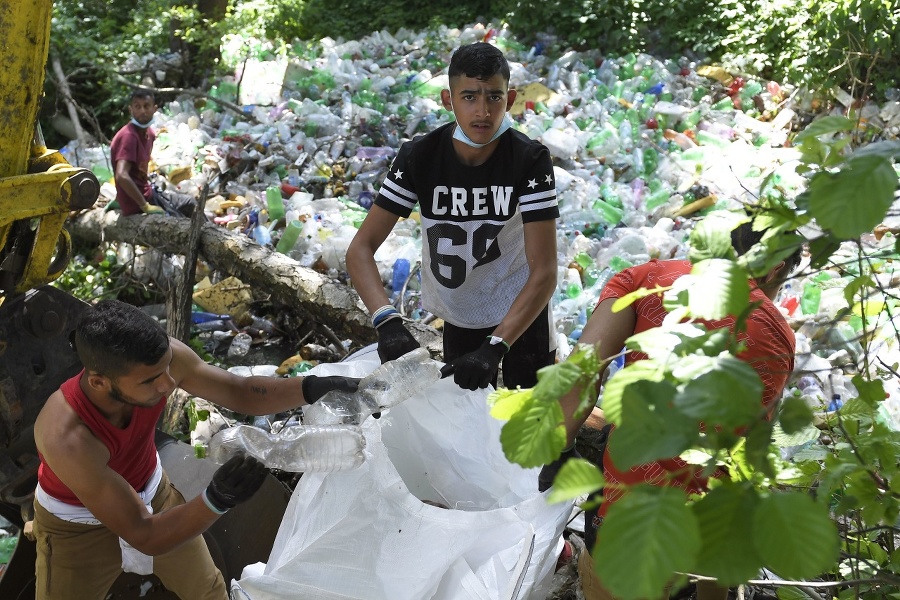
[(607, 330), (79, 459)]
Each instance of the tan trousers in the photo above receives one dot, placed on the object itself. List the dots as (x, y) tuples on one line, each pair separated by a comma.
[(594, 590), (81, 562)]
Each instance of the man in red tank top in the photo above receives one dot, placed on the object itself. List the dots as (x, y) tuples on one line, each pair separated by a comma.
[(769, 350), (103, 503)]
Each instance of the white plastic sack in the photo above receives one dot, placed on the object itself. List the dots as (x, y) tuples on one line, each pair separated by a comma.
[(367, 534)]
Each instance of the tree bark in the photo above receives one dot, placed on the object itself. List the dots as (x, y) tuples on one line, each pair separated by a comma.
[(63, 85), (324, 299), (178, 303)]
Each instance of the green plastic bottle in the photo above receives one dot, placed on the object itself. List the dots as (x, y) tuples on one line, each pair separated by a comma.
[(608, 212), (657, 199), (651, 160), (691, 120), (289, 237), (812, 296), (275, 203), (725, 103), (617, 264)]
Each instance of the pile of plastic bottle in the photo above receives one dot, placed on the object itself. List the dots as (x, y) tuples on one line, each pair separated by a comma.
[(641, 147)]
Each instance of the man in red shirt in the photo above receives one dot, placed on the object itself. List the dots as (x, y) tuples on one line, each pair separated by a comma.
[(131, 150), (770, 346), (103, 502)]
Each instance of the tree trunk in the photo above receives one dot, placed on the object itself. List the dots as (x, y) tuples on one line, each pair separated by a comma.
[(64, 91), (178, 302), (324, 299)]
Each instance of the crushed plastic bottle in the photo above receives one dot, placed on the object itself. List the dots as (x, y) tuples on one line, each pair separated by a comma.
[(387, 386), (240, 345), (301, 449)]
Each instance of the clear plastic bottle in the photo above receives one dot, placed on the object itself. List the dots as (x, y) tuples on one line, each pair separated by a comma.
[(320, 448), (387, 386), (240, 345)]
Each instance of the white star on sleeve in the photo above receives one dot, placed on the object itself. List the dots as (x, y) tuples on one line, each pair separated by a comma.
[(549, 179), (532, 183), (398, 174)]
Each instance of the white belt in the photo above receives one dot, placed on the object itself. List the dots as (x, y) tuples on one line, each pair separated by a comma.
[(132, 560)]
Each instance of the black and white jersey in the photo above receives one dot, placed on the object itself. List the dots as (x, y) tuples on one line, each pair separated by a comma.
[(473, 242)]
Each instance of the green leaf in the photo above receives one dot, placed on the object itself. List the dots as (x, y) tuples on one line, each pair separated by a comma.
[(884, 149), (646, 537), (642, 370), (863, 281), (680, 339), (577, 477), (866, 181), (824, 126), (757, 445), (795, 535), (535, 435), (871, 391), (728, 393), (505, 403), (632, 297), (791, 593), (802, 436), (724, 515), (821, 249), (795, 415), (651, 428), (858, 410), (716, 288), (711, 237), (556, 380)]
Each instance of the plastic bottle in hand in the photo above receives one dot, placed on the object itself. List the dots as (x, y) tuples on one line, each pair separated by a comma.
[(397, 380), (308, 448), (387, 386)]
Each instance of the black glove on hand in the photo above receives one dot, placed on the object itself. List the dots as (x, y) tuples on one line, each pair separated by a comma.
[(394, 340), (549, 471), (315, 387), (236, 481), (476, 369)]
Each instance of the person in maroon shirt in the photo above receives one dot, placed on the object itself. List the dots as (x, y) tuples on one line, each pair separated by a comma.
[(131, 150), (769, 349)]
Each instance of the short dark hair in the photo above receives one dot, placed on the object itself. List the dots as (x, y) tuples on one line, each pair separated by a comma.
[(142, 93), (479, 60), (743, 238), (113, 336)]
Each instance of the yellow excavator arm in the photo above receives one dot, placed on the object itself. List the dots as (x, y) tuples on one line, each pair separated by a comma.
[(38, 188)]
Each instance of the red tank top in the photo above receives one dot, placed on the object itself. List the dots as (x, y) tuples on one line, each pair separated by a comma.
[(132, 450)]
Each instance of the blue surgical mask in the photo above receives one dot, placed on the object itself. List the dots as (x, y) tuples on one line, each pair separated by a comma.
[(141, 125), (459, 134)]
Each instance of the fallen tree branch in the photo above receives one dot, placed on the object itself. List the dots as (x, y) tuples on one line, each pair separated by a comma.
[(326, 300)]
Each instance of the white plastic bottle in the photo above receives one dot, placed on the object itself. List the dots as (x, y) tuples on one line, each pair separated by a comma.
[(320, 448)]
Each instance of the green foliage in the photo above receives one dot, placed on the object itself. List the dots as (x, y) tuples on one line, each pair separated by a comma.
[(357, 18), (91, 279), (534, 415), (648, 535), (762, 514)]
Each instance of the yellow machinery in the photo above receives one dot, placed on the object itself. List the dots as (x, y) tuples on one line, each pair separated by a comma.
[(38, 188)]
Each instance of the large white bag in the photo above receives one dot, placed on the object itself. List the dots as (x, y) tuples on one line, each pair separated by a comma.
[(366, 534)]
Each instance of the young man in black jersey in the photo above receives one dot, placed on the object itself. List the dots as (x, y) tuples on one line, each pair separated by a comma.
[(488, 206)]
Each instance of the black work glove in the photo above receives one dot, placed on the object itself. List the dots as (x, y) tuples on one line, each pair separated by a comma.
[(394, 340), (476, 369), (549, 471), (314, 387), (234, 482)]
